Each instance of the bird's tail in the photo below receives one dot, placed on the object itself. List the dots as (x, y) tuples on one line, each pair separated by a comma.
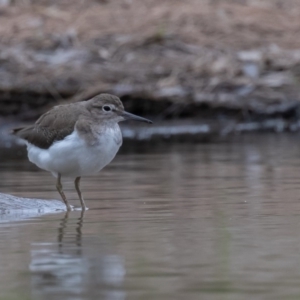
[(15, 131)]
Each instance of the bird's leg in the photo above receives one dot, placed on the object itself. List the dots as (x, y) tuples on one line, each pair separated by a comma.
[(60, 190), (77, 181)]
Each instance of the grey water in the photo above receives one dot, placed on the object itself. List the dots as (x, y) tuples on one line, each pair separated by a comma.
[(184, 221)]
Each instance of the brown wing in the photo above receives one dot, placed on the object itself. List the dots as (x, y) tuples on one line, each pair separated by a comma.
[(52, 126)]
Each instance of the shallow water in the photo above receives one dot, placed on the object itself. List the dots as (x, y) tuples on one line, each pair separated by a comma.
[(201, 221)]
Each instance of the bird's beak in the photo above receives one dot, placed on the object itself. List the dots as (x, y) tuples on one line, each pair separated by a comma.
[(128, 116)]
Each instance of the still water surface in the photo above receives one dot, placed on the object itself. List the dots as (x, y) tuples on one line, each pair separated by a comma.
[(198, 221)]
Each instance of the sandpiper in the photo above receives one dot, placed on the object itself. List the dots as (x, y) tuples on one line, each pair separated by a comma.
[(76, 139)]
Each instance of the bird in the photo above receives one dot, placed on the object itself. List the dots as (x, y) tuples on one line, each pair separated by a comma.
[(76, 139)]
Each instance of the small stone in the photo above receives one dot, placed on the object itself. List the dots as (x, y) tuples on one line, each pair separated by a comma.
[(4, 3), (251, 70), (276, 79), (254, 56)]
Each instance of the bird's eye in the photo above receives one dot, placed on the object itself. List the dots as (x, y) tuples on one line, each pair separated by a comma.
[(106, 108)]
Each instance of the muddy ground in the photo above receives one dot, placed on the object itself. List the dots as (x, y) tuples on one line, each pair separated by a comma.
[(213, 62)]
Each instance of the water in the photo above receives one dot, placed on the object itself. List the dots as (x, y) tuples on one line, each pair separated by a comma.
[(198, 221)]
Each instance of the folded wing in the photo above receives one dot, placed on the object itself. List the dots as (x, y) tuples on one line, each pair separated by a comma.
[(52, 126)]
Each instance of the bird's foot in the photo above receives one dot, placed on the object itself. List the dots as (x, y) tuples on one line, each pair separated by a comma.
[(81, 208), (70, 207)]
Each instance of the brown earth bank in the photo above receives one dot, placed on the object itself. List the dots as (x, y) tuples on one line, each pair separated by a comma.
[(229, 65)]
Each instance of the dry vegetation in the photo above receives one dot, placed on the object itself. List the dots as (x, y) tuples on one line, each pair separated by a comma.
[(237, 54)]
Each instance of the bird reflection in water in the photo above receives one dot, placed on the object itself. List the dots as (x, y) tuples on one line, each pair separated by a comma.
[(72, 269), (63, 239)]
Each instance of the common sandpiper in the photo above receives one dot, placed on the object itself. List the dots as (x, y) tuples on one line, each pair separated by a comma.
[(76, 139)]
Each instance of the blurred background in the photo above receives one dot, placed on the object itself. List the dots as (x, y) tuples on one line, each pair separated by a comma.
[(230, 65), (204, 203)]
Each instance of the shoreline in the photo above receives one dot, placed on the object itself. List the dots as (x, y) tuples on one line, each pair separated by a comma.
[(186, 131)]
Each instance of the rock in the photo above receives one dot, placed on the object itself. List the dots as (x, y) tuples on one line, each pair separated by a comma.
[(251, 70), (14, 208), (173, 91), (4, 3), (251, 55), (276, 79)]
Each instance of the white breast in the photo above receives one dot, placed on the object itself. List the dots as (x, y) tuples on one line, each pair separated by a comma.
[(73, 157)]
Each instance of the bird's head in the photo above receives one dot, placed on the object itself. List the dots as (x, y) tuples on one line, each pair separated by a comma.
[(109, 107)]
